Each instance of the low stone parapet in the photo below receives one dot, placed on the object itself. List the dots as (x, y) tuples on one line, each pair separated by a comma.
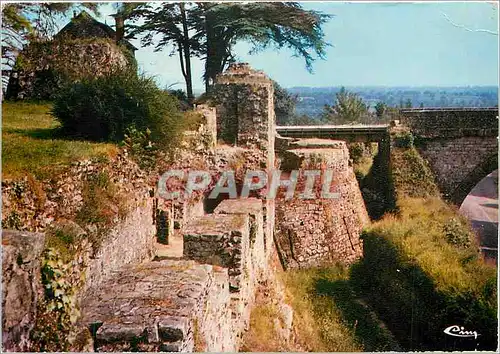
[(221, 240), (252, 207), (174, 306)]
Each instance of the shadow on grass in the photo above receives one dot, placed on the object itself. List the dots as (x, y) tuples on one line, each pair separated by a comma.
[(406, 300), (57, 133), (40, 133), (377, 186), (367, 328)]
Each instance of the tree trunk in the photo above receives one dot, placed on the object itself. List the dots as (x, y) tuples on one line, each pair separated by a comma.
[(187, 55), (211, 50), (217, 50)]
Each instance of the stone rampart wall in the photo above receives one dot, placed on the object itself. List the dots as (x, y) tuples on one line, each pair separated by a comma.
[(451, 123), (319, 231), (455, 161)]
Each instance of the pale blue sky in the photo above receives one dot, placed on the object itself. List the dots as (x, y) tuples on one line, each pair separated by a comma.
[(374, 44)]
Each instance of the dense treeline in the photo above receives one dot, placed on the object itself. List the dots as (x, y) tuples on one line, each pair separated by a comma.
[(311, 100)]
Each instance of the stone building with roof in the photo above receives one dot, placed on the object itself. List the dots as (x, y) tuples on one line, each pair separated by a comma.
[(83, 48)]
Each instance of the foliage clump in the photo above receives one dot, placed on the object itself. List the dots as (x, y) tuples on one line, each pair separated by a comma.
[(349, 108), (356, 152), (57, 311), (456, 233), (101, 200), (404, 140), (412, 175), (140, 146), (284, 105), (102, 109)]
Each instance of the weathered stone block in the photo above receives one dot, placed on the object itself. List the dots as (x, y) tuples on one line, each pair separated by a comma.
[(21, 286), (220, 240), (318, 231), (158, 306)]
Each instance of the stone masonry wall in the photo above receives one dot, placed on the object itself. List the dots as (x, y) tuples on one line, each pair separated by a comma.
[(233, 238), (130, 241), (42, 68), (453, 160), (321, 231), (452, 122), (246, 109), (459, 144), (221, 240), (167, 305), (95, 253)]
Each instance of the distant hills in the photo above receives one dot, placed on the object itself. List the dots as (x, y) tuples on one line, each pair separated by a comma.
[(312, 99)]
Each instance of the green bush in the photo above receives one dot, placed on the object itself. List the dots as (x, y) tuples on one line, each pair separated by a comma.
[(404, 140), (104, 108), (456, 233), (356, 152), (140, 146)]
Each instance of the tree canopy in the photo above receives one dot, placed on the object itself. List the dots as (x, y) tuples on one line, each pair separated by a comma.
[(284, 105), (209, 31), (349, 107)]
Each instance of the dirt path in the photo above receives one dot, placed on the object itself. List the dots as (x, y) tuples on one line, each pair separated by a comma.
[(173, 249)]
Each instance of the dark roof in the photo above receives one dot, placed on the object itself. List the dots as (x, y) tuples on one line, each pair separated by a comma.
[(85, 26)]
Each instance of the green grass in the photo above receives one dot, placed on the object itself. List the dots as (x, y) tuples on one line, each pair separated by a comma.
[(420, 227), (329, 316), (262, 335), (417, 281), (32, 143), (419, 233), (410, 284)]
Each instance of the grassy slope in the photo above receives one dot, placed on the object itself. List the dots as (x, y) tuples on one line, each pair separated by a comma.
[(419, 227), (325, 316), (410, 285), (31, 143), (330, 317), (418, 282)]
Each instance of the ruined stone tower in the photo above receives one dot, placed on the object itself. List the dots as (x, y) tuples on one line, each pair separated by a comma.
[(246, 110), (245, 118)]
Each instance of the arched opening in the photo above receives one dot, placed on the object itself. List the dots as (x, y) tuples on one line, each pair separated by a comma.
[(478, 173)]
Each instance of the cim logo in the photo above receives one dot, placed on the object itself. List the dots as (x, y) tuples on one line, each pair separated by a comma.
[(458, 331)]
